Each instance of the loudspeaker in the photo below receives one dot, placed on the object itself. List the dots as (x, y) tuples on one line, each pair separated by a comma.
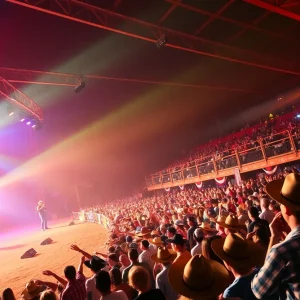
[(29, 253), (72, 223), (46, 242)]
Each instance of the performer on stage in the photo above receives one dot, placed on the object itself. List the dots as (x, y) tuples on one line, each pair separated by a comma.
[(41, 209)]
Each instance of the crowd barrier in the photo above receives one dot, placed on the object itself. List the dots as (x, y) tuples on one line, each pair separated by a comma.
[(92, 217)]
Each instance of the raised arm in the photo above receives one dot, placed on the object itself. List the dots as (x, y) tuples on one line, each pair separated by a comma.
[(85, 254), (58, 278)]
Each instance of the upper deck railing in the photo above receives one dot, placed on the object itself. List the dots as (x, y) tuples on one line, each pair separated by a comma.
[(271, 150)]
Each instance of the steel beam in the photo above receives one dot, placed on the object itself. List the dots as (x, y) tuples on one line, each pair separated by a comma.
[(217, 16), (274, 9), (212, 17), (39, 77), (10, 93), (72, 80), (107, 20)]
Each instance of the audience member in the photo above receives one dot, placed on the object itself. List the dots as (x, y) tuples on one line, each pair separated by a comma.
[(139, 279)]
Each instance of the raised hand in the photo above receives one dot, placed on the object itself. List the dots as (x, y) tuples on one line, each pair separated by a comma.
[(75, 248), (48, 273)]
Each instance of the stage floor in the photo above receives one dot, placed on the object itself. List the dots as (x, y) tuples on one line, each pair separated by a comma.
[(15, 272)]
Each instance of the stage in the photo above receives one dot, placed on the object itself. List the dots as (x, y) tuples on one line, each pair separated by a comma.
[(15, 272)]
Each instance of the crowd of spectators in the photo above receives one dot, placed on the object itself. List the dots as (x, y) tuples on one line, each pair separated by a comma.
[(225, 242), (222, 151), (229, 242)]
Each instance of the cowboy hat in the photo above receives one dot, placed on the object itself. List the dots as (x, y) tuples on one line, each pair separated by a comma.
[(155, 232), (177, 240), (144, 231), (179, 223), (163, 255), (205, 226), (238, 252), (231, 222), (286, 191), (156, 241), (32, 290), (199, 278), (95, 263)]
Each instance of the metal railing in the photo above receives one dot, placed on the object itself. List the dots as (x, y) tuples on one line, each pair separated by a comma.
[(261, 150)]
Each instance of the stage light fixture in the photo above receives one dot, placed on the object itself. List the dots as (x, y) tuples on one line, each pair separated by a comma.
[(28, 123), (161, 42), (10, 110), (22, 120), (79, 87)]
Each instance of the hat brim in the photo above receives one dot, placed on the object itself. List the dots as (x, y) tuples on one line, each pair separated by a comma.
[(220, 282), (255, 258), (208, 229), (163, 261), (151, 241), (273, 189), (142, 234), (26, 295), (171, 241), (238, 227)]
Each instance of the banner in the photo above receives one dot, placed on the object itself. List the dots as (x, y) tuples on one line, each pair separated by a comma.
[(237, 176), (270, 170), (220, 180), (199, 185)]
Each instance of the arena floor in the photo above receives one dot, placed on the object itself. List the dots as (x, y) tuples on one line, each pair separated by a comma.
[(15, 272)]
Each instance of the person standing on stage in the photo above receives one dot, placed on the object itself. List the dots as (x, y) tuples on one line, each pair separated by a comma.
[(41, 209)]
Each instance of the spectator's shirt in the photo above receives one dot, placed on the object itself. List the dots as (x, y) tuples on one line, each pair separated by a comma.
[(75, 290), (90, 286), (162, 283), (281, 271), (191, 241), (145, 257), (150, 295), (241, 288), (267, 215), (197, 249), (117, 295)]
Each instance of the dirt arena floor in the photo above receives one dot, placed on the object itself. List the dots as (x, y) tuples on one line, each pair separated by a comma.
[(15, 272)]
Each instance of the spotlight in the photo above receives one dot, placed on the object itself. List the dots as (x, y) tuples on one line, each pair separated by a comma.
[(161, 41), (298, 116), (10, 110), (22, 120), (28, 123), (79, 87)]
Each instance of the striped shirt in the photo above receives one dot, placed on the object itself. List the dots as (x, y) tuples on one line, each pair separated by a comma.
[(280, 273)]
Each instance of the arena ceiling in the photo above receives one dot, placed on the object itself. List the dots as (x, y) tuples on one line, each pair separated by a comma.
[(221, 58)]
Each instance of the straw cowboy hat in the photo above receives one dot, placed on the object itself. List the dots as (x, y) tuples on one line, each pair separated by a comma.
[(238, 252), (231, 222), (155, 232), (144, 231), (205, 226), (199, 278), (156, 241), (163, 255), (32, 290), (286, 191)]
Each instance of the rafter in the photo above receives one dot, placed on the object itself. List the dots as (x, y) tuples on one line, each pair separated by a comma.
[(275, 9), (12, 94), (218, 16), (66, 79), (107, 20)]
